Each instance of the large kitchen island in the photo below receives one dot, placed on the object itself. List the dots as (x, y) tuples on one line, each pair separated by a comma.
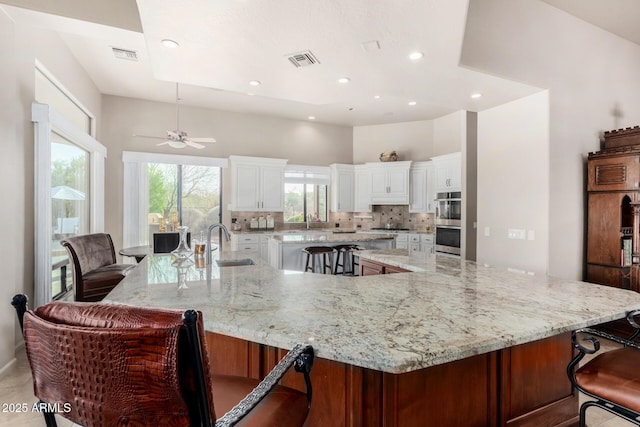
[(450, 343)]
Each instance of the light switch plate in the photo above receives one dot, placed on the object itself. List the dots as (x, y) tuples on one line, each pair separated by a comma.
[(516, 233)]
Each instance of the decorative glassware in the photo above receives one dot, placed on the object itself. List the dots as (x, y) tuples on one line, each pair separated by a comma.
[(183, 250), (182, 266)]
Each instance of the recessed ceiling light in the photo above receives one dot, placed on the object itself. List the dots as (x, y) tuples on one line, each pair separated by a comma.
[(344, 80), (376, 96), (414, 56), (476, 95), (255, 83), (412, 103), (171, 44), (311, 117)]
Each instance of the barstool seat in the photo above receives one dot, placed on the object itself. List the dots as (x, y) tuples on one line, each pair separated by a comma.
[(324, 257), (347, 259)]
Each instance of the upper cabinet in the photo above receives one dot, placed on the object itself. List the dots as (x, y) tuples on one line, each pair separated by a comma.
[(362, 186), (390, 183), (448, 172), (342, 188), (422, 188), (257, 184)]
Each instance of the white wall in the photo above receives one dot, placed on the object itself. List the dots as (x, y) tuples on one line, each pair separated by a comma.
[(513, 183), (449, 133), (19, 48), (301, 142), (593, 83), (411, 140)]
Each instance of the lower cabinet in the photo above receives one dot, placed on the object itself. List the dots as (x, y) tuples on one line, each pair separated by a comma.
[(372, 268), (255, 245)]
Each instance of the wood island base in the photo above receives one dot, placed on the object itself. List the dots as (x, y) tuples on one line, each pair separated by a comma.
[(523, 385)]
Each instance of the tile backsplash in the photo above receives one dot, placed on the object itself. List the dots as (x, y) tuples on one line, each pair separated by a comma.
[(398, 214)]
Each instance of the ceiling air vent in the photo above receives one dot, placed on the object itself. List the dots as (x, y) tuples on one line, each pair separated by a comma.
[(302, 59), (130, 55)]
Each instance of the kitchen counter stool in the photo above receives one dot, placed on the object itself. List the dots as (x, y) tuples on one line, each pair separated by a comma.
[(323, 255), (345, 259)]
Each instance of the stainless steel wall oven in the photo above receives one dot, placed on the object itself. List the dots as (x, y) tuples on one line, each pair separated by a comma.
[(448, 239), (449, 208)]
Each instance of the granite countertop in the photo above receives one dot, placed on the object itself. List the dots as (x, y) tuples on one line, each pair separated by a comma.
[(331, 237), (330, 230), (447, 309)]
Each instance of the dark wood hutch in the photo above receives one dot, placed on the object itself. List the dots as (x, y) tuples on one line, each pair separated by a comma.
[(613, 224)]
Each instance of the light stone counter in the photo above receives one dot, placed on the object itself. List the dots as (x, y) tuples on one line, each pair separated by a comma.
[(447, 310), (331, 238)]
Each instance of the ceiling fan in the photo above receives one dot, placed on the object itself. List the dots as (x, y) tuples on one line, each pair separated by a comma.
[(177, 138)]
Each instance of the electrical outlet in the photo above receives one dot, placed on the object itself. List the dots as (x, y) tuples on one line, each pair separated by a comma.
[(487, 231), (516, 233)]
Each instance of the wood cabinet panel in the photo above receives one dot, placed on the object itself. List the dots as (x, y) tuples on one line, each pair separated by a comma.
[(604, 275), (614, 173), (527, 371), (604, 221), (524, 385), (371, 268)]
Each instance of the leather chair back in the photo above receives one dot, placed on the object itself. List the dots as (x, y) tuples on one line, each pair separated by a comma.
[(91, 251), (94, 357)]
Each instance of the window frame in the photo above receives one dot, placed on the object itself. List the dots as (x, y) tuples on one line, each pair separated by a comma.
[(309, 175), (45, 120)]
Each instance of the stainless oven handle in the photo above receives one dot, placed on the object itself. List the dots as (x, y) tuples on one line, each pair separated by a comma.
[(455, 227)]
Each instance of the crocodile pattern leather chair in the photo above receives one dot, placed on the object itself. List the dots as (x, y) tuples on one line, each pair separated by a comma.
[(115, 365), (95, 272), (611, 378)]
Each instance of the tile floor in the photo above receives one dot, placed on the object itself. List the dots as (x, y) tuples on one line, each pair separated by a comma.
[(16, 387)]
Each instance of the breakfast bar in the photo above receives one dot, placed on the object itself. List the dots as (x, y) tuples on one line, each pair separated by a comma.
[(450, 342)]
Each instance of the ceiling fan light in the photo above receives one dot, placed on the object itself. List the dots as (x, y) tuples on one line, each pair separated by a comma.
[(176, 144), (171, 44)]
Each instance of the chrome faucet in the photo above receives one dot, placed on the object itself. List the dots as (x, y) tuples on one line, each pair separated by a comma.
[(226, 236), (307, 220)]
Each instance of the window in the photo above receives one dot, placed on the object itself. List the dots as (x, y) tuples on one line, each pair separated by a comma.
[(305, 193), (169, 187), (185, 194)]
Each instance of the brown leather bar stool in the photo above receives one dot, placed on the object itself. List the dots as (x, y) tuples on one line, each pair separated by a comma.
[(345, 259), (610, 378), (324, 257)]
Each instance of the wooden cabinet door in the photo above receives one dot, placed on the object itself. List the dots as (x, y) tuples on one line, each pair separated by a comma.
[(603, 234), (614, 173), (369, 268)]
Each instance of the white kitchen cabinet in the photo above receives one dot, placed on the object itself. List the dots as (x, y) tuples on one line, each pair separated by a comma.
[(421, 188), (362, 187), (402, 241), (251, 245), (257, 184), (427, 243), (342, 188), (448, 171), (390, 183)]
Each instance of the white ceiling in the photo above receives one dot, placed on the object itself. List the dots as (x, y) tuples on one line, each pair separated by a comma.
[(226, 43)]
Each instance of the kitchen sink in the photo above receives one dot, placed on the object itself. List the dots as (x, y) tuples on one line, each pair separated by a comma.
[(234, 262)]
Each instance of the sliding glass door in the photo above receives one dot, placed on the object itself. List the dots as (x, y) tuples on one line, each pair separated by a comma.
[(70, 195)]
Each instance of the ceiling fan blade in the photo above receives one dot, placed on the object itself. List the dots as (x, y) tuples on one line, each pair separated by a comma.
[(211, 140), (190, 143), (149, 136), (163, 143)]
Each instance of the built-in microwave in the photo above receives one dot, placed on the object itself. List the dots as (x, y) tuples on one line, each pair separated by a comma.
[(449, 208), (448, 239)]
